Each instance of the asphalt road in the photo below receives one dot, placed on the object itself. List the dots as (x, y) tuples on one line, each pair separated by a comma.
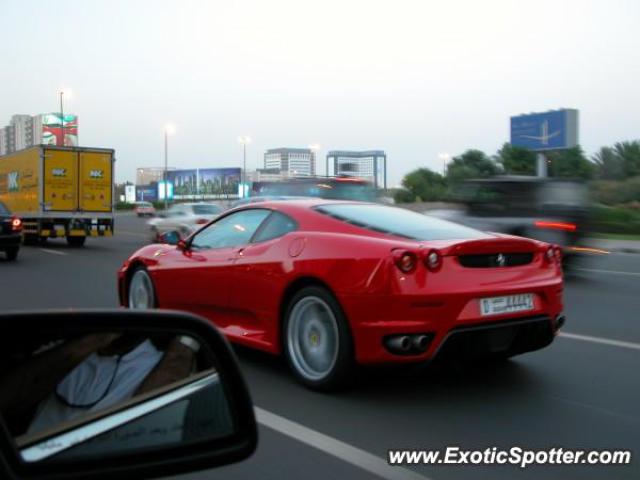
[(582, 392)]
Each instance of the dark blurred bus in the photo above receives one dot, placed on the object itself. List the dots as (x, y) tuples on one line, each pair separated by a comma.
[(334, 188)]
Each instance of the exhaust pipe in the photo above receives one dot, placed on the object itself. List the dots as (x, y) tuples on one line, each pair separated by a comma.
[(560, 319), (398, 343), (420, 342)]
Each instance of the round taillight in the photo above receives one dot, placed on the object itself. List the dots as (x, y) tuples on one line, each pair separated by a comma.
[(433, 260), (558, 252), (550, 254), (406, 261)]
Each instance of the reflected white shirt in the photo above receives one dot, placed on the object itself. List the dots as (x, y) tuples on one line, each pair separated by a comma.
[(89, 380)]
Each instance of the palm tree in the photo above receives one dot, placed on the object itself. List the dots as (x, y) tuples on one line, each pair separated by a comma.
[(609, 164), (629, 153)]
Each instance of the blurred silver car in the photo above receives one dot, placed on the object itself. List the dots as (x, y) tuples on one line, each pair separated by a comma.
[(185, 218)]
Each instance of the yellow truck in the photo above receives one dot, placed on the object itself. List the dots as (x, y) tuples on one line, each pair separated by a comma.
[(60, 191)]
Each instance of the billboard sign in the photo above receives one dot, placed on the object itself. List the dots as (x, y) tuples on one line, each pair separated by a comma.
[(161, 190), (204, 183), (129, 193), (52, 129), (552, 130), (219, 182), (184, 182), (147, 193)]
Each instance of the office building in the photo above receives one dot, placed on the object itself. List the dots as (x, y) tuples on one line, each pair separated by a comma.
[(7, 140), (291, 162), (149, 175), (23, 130), (370, 165)]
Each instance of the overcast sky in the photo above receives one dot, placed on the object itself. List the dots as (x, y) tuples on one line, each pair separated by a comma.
[(415, 78)]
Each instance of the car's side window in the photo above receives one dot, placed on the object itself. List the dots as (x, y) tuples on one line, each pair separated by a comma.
[(275, 226), (230, 231)]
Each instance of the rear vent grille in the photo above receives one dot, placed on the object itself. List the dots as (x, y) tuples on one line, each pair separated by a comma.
[(495, 260)]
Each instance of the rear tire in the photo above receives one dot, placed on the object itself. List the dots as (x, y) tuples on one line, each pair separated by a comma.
[(12, 253), (76, 241), (317, 341)]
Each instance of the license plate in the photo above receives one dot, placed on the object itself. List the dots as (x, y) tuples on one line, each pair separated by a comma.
[(507, 304)]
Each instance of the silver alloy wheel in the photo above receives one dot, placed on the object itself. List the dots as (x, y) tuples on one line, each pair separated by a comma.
[(141, 295), (312, 338)]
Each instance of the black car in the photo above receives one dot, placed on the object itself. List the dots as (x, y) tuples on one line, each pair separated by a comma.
[(10, 233), (550, 210)]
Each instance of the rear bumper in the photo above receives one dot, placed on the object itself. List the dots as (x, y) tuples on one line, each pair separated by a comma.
[(505, 338), (509, 336), (69, 227), (10, 240), (446, 319)]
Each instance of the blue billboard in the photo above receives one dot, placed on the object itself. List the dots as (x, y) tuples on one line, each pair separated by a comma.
[(185, 182), (552, 130), (204, 183), (218, 181), (147, 193)]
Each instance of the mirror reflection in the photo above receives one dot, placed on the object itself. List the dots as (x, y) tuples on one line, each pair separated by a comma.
[(106, 392), (171, 238)]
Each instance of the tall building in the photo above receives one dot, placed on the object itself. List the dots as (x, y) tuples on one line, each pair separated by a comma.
[(7, 139), (370, 165), (291, 162), (23, 129)]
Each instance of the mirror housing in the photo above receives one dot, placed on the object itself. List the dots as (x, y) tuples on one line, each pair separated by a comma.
[(182, 245), (157, 460), (171, 237)]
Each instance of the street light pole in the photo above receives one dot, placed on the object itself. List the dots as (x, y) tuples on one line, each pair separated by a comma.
[(445, 158), (244, 139), (166, 167), (61, 142), (244, 166)]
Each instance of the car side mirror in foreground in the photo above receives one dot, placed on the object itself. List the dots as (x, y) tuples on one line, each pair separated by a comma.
[(102, 394), (171, 238)]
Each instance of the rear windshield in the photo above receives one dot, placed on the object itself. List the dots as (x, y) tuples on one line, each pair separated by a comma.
[(144, 204), (206, 209), (400, 222), (3, 210)]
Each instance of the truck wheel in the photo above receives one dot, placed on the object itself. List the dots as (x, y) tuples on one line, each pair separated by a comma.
[(12, 253), (76, 241)]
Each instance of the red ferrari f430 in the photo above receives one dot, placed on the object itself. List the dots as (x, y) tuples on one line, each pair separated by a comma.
[(331, 284)]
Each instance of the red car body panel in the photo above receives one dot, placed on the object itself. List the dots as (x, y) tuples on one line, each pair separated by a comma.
[(242, 290)]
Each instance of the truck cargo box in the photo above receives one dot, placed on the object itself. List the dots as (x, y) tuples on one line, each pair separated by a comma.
[(60, 191)]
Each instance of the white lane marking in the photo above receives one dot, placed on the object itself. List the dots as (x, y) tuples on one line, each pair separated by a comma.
[(604, 341), (55, 252), (613, 272), (332, 446)]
